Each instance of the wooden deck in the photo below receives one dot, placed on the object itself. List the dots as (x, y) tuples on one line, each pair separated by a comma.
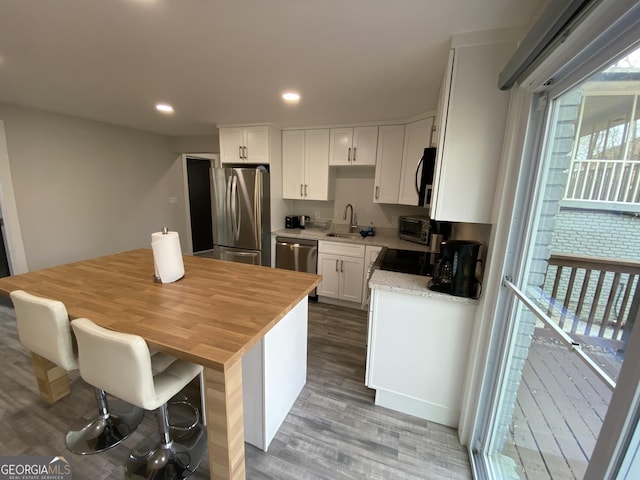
[(560, 409)]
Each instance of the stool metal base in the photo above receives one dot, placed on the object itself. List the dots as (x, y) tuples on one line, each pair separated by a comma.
[(179, 459), (104, 431)]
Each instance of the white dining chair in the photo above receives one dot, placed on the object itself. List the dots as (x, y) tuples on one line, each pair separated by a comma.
[(43, 328), (122, 364)]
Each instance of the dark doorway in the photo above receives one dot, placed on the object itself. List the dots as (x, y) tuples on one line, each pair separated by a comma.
[(200, 204), (4, 262)]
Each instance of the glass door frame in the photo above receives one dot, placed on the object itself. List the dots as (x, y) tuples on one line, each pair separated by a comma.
[(619, 440)]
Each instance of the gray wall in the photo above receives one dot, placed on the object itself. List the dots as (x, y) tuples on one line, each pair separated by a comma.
[(85, 188), (195, 143)]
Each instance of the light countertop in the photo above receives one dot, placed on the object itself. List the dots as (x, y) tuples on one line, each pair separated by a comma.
[(384, 237), (381, 279), (411, 285)]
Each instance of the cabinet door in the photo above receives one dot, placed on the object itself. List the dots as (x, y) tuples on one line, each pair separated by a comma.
[(471, 134), (418, 353), (351, 275), (256, 143), (293, 159), (417, 137), (329, 268), (388, 164), (340, 146), (365, 145), (317, 165), (231, 143)]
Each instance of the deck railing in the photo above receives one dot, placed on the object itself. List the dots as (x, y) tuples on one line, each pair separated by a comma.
[(593, 295), (604, 181)]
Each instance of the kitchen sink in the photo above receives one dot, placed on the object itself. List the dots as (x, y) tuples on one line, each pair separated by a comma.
[(343, 235)]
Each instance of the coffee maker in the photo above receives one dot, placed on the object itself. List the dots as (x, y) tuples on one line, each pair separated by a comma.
[(455, 272)]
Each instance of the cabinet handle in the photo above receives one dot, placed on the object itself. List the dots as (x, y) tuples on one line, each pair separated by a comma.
[(377, 192), (240, 151), (341, 265), (354, 154), (301, 194), (337, 265), (245, 152), (306, 190), (349, 155)]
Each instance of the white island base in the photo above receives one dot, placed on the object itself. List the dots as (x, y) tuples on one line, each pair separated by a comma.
[(274, 371)]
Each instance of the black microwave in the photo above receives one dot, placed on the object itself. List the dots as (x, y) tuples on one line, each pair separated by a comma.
[(424, 177), (414, 229)]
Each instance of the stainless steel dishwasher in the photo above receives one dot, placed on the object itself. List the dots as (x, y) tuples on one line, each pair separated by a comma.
[(297, 254)]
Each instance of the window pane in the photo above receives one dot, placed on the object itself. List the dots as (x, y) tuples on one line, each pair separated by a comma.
[(604, 127), (582, 271)]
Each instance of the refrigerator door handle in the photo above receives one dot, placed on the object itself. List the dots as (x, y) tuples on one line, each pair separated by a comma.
[(227, 206), (257, 204), (235, 212)]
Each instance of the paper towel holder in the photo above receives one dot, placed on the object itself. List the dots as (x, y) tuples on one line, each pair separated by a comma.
[(165, 231)]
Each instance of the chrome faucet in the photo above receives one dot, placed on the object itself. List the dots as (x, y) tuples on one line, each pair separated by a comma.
[(352, 226)]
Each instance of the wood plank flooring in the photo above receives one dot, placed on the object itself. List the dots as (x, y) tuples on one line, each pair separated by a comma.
[(559, 412), (334, 431)]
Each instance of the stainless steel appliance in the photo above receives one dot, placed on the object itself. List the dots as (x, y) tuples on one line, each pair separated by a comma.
[(424, 177), (455, 272), (304, 221), (241, 215), (292, 221), (414, 229), (300, 255)]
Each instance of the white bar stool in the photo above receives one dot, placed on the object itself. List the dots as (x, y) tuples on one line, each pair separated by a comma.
[(43, 328), (121, 364)]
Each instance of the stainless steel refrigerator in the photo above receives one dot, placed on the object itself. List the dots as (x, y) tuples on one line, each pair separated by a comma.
[(241, 215)]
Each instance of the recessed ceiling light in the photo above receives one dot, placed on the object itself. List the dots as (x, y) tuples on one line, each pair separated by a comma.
[(164, 108), (291, 97)]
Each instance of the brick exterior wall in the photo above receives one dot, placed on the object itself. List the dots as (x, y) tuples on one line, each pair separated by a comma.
[(597, 233)]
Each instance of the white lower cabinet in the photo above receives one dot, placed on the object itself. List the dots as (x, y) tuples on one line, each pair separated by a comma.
[(342, 268), (417, 353)]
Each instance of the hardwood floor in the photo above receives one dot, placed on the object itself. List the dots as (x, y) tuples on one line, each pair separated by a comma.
[(334, 431)]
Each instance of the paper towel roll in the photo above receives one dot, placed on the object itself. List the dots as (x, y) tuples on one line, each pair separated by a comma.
[(167, 256)]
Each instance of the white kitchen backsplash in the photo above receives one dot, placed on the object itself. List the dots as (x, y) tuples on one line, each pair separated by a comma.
[(355, 185)]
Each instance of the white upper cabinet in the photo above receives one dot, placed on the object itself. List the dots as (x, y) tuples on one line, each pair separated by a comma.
[(470, 132), (353, 146), (305, 164), (248, 144), (293, 168), (388, 164), (417, 137)]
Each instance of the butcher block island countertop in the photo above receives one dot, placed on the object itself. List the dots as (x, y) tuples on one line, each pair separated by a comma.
[(212, 316)]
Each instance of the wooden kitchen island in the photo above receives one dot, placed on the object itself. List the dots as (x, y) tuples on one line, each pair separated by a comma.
[(212, 317)]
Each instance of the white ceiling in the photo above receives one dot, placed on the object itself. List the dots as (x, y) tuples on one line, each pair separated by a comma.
[(227, 61)]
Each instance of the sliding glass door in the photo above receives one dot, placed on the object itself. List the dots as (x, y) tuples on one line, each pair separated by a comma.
[(571, 295)]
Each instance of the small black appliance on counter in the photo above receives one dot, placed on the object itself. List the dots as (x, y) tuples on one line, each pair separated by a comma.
[(455, 272), (292, 221)]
